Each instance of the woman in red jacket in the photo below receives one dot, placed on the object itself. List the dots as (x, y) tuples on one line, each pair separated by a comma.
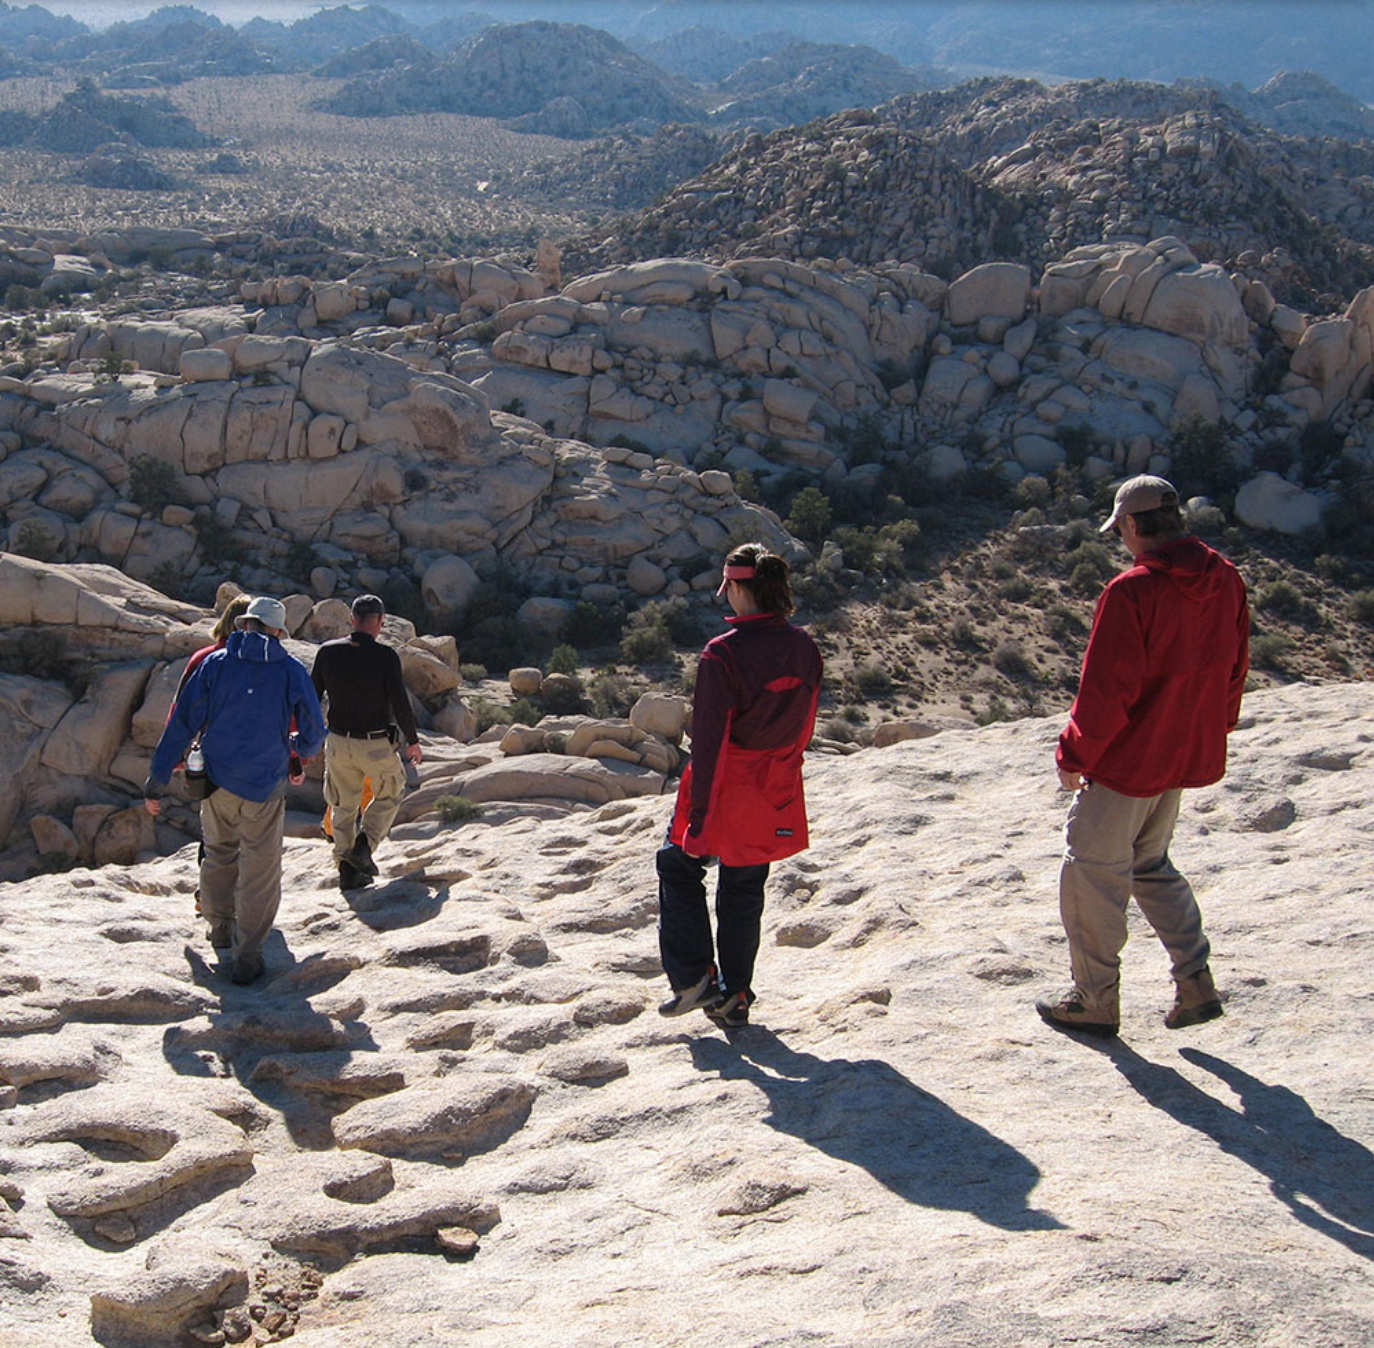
[(741, 796)]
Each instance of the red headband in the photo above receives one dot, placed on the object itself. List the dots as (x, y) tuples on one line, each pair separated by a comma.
[(735, 571)]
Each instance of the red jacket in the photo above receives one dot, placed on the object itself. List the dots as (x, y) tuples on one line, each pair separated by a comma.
[(753, 712), (1163, 674)]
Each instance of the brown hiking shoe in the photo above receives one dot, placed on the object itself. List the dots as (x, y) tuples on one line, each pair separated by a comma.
[(1073, 1011), (1195, 1001)]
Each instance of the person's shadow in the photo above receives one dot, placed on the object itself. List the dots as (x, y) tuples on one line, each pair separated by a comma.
[(868, 1114), (1325, 1179)]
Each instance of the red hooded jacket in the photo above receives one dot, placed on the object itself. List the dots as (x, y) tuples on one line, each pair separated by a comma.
[(1163, 674), (753, 712)]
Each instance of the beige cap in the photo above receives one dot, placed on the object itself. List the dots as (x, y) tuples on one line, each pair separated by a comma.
[(1138, 494), (269, 612)]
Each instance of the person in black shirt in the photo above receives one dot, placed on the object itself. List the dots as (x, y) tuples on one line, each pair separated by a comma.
[(360, 681)]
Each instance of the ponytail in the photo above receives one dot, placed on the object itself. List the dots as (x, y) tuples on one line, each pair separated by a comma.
[(771, 584)]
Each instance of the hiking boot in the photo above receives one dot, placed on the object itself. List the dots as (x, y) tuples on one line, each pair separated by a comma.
[(1073, 1011), (1195, 1001), (350, 877), (733, 1012), (247, 969), (221, 938), (361, 856), (701, 996)]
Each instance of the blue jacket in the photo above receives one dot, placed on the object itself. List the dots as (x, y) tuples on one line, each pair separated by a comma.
[(240, 701)]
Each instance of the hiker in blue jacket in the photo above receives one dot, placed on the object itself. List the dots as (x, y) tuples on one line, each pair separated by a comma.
[(240, 704)]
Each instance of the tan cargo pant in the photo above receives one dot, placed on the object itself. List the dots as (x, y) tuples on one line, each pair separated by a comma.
[(240, 877), (1116, 846), (346, 763)]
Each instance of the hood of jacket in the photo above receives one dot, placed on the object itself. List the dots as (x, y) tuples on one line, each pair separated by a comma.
[(255, 647), (1197, 570)]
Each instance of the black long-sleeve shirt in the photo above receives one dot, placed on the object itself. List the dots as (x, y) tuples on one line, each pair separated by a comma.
[(362, 679)]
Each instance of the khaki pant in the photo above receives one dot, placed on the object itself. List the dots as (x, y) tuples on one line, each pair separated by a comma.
[(240, 875), (346, 763), (1116, 846)]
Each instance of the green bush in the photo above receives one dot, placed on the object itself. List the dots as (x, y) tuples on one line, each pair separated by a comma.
[(563, 701), (562, 660), (1269, 651), (1201, 463), (1011, 659), (472, 673), (592, 626), (41, 653), (1281, 599), (872, 680), (487, 713), (809, 516), (218, 546), (611, 694), (32, 539), (523, 712), (647, 639), (1362, 607), (457, 809), (997, 710), (153, 484)]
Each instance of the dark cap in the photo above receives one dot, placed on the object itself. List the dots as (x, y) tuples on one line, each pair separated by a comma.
[(1139, 494), (368, 606)]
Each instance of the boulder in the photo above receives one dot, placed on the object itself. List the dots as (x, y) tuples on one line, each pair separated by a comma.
[(644, 577), (661, 714), (1268, 501), (545, 615), (447, 586), (526, 681), (992, 290), (1200, 303), (53, 838), (85, 740), (122, 836), (206, 363)]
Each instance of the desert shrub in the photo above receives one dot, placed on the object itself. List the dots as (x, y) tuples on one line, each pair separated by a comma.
[(997, 710), (401, 595), (170, 579), (630, 443), (1076, 440), (1318, 443), (415, 479), (32, 539), (516, 407), (1201, 463), (839, 730), (1011, 659), (747, 486), (523, 712), (1275, 455), (457, 809), (1282, 600), (1362, 607), (216, 541), (485, 332), (647, 638), (1061, 621), (809, 516), (497, 642), (872, 680), (611, 694), (592, 626), (1032, 490), (562, 660), (487, 713), (1267, 651), (1209, 520), (41, 653), (961, 632), (153, 484), (300, 560), (567, 700), (557, 743), (472, 672), (1018, 589)]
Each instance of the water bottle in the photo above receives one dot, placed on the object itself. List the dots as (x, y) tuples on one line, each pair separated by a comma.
[(412, 773), (195, 762)]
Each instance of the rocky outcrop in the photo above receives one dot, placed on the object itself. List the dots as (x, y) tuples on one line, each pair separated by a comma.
[(559, 79)]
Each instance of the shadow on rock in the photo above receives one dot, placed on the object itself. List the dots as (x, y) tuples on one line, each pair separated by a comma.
[(867, 1113), (271, 1017), (396, 904), (1325, 1179)]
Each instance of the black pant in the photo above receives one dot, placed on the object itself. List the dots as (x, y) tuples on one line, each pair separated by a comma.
[(684, 926)]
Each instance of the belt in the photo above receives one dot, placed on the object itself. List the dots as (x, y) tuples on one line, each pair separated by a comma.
[(362, 734)]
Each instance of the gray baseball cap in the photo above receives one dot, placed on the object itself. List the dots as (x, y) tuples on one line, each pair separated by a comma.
[(1138, 494)]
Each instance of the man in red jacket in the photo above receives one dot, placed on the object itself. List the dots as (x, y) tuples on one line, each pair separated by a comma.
[(1160, 689)]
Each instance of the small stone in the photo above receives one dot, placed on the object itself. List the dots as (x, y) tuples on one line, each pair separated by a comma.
[(457, 1241), (207, 1333), (116, 1228)]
